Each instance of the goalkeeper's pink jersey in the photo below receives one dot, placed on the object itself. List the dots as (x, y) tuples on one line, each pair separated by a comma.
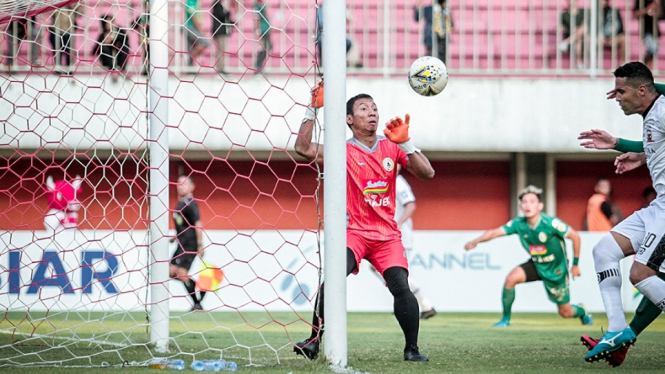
[(370, 193)]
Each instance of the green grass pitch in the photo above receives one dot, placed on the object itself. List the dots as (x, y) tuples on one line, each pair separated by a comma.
[(455, 342)]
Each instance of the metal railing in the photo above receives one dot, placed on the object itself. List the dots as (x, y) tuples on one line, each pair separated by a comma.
[(494, 37)]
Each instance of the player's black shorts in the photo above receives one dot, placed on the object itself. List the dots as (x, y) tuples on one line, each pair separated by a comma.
[(184, 257), (530, 271)]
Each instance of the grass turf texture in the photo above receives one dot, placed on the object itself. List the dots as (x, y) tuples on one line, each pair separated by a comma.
[(455, 342)]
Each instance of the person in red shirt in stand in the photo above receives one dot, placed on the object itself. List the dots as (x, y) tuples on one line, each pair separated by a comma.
[(372, 233)]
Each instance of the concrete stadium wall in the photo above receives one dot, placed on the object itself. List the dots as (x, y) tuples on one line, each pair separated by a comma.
[(473, 114)]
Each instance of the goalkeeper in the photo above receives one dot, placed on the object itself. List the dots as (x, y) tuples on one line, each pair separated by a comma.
[(371, 233)]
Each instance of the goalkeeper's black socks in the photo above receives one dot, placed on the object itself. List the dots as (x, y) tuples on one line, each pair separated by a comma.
[(405, 305), (317, 318), (406, 312)]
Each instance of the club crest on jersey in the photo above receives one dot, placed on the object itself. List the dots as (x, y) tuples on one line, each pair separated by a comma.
[(537, 250), (375, 186), (388, 164), (649, 136), (542, 237)]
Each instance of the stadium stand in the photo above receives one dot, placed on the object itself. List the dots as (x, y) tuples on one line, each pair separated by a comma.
[(492, 36)]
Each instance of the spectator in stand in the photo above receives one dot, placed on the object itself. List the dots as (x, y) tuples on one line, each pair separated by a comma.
[(612, 35), (352, 53), (112, 47), (142, 25), (19, 29), (351, 58), (601, 214), (193, 26), (262, 28), (438, 26), (60, 34), (222, 27), (573, 23), (648, 12)]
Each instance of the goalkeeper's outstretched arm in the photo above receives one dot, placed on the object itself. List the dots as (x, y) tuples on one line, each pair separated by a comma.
[(397, 131), (304, 145)]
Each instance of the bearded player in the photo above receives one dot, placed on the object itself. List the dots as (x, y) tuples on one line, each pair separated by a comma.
[(646, 311), (643, 232), (372, 232)]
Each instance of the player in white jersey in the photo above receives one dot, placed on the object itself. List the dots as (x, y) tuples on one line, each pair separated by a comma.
[(405, 206), (642, 233), (404, 209)]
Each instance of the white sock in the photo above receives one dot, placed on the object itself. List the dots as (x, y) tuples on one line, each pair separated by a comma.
[(606, 257), (654, 289), (425, 305)]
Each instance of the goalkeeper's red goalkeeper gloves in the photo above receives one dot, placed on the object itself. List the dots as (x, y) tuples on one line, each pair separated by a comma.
[(317, 95), (398, 132), (317, 102)]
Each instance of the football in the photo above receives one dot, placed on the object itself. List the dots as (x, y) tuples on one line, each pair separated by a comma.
[(428, 76)]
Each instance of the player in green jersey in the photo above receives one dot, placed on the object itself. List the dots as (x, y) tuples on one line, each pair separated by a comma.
[(542, 236)]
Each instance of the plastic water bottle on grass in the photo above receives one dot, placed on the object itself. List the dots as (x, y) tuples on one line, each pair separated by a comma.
[(157, 363), (197, 366), (175, 364), (208, 365), (230, 366)]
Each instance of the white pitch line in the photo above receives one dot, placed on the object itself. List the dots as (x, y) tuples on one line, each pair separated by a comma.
[(347, 370)]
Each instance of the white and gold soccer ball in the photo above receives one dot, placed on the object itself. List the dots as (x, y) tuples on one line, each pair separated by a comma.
[(428, 76)]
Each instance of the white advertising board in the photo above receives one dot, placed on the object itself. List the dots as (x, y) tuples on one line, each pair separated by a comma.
[(269, 270)]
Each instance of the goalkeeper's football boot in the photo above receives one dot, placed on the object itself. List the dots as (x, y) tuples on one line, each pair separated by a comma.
[(309, 348), (412, 354), (612, 341), (586, 319), (614, 359), (503, 323)]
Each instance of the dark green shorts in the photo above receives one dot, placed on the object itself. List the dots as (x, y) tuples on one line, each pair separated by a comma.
[(557, 292)]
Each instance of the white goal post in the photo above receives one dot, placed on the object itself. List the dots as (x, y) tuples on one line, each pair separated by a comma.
[(334, 61)]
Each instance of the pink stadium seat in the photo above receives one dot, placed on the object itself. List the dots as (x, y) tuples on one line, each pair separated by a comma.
[(487, 34)]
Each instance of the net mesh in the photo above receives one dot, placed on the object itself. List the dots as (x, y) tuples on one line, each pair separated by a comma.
[(10, 9), (75, 261)]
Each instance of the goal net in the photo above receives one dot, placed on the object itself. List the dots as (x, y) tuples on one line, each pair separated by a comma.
[(86, 103), (27, 8)]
